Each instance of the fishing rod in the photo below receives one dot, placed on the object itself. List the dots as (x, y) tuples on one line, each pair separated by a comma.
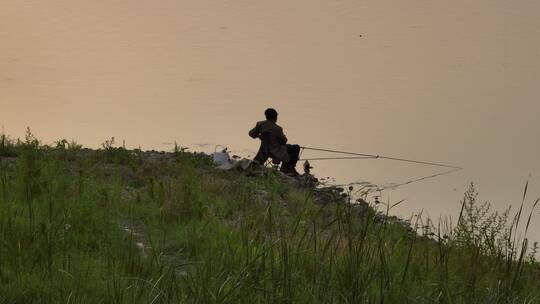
[(393, 186), (372, 156), (366, 156), (336, 158)]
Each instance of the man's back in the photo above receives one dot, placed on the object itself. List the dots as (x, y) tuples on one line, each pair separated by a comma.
[(272, 138), (269, 127)]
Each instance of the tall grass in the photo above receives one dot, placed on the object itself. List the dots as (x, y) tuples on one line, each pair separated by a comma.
[(120, 226)]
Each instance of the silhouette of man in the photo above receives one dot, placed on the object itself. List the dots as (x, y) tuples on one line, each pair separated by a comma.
[(274, 144)]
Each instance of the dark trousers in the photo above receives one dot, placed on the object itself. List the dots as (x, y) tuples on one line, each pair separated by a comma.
[(294, 153), (292, 150)]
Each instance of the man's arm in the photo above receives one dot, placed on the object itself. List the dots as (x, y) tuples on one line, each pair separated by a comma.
[(281, 136), (254, 133)]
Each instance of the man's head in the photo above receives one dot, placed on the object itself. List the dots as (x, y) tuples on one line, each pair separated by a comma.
[(271, 114)]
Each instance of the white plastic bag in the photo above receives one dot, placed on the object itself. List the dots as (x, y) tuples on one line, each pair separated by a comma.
[(222, 159)]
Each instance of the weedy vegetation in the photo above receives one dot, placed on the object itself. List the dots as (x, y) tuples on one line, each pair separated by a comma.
[(125, 226)]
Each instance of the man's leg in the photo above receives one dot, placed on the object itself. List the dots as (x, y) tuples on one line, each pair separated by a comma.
[(294, 153), (261, 156)]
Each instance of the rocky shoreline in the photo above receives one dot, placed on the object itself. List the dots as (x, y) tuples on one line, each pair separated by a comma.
[(152, 162)]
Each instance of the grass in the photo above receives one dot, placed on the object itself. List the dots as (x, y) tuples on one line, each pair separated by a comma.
[(119, 226)]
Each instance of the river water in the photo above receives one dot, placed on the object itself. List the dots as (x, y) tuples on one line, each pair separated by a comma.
[(453, 82)]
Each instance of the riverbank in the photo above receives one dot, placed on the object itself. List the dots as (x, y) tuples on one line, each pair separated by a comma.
[(128, 226)]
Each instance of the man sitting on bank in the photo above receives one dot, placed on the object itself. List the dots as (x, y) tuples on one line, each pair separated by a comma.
[(274, 144)]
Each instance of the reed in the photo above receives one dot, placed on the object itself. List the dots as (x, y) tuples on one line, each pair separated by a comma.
[(121, 226)]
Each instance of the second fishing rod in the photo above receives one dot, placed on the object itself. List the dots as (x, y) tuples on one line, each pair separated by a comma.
[(373, 156)]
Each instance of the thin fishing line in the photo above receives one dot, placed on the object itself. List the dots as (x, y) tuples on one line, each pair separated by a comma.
[(377, 188), (418, 179)]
